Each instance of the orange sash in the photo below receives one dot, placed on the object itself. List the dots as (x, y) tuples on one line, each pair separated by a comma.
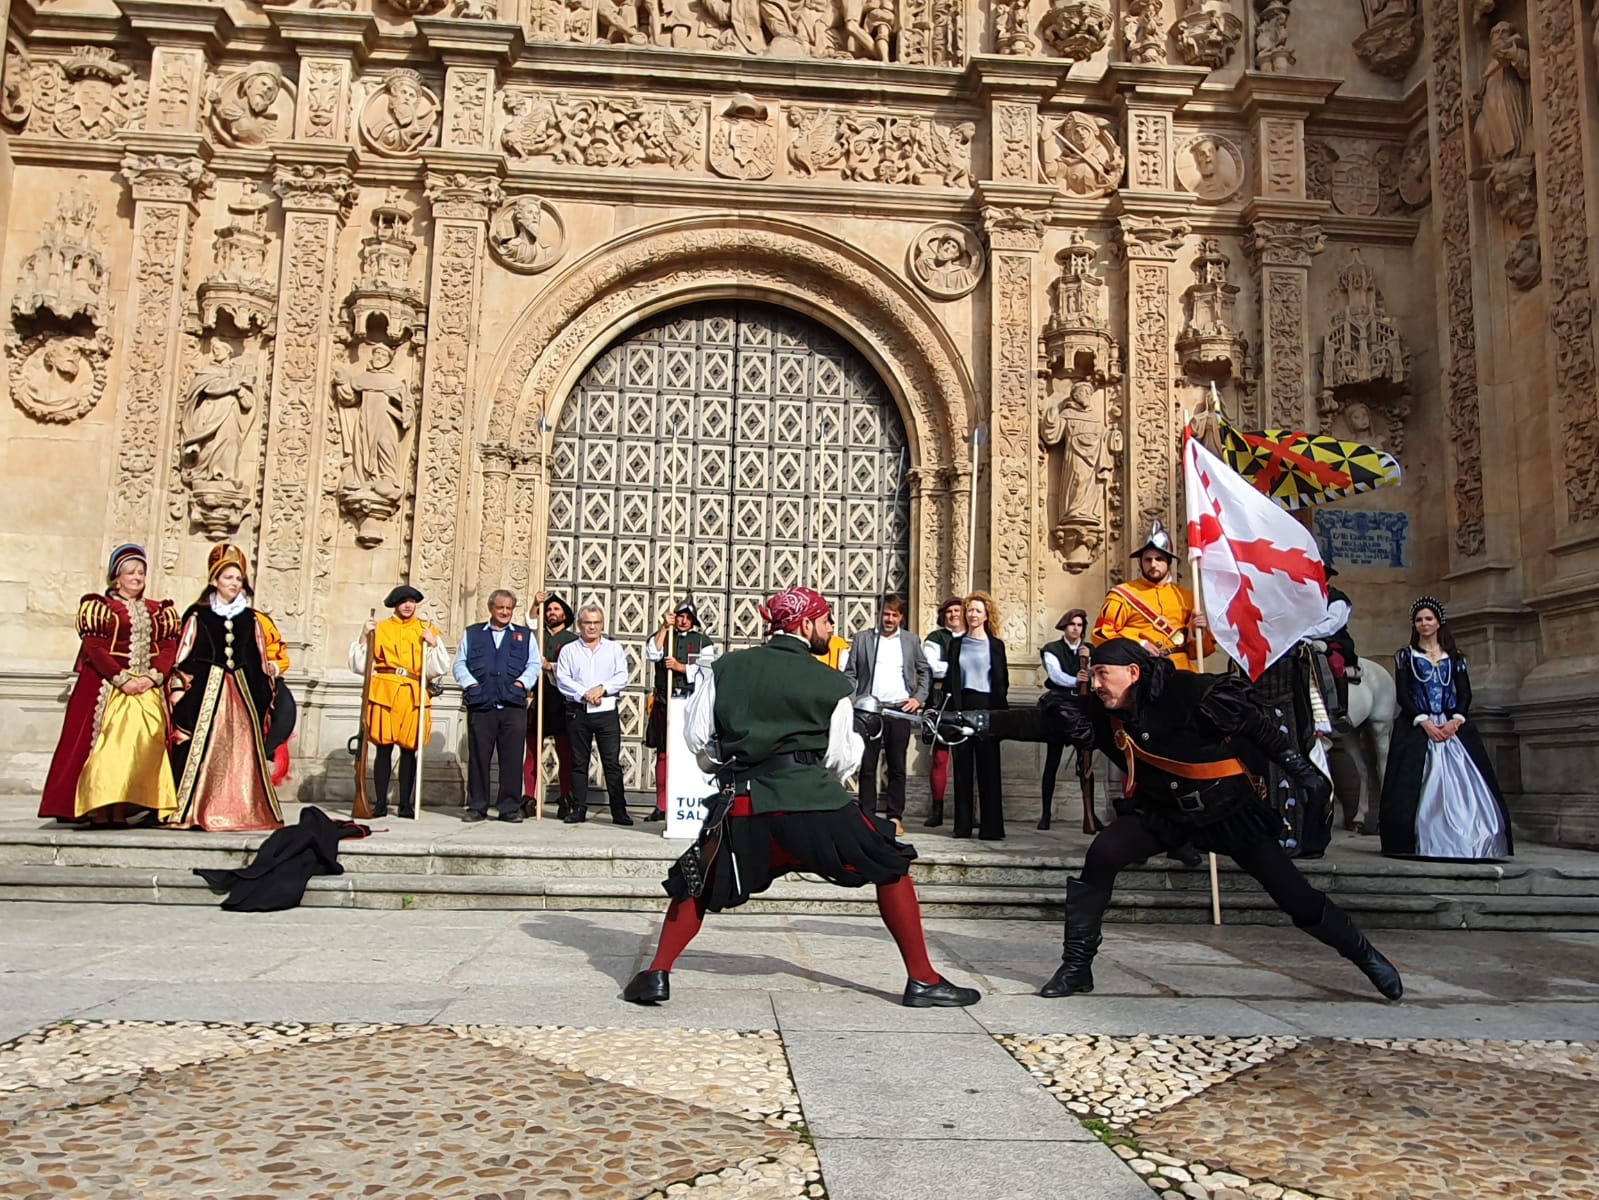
[(1221, 768)]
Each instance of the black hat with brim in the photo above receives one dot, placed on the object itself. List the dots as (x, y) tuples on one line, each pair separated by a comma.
[(400, 595)]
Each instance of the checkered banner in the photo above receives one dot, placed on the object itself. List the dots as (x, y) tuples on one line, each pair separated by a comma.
[(1296, 469)]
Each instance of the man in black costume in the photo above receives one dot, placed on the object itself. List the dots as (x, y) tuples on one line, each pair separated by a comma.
[(1193, 748)]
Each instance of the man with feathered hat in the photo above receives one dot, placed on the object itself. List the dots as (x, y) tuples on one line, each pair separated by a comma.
[(1152, 609)]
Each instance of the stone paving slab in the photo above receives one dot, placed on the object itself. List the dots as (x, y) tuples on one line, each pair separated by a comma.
[(869, 1169)]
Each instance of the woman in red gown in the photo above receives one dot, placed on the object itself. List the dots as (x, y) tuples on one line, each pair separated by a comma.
[(112, 754)]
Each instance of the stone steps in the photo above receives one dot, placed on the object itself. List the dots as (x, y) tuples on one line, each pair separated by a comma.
[(602, 868)]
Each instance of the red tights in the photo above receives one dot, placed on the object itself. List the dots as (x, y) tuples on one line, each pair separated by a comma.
[(896, 903), (938, 778), (563, 764)]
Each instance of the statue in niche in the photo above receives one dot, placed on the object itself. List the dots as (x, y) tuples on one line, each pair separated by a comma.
[(400, 117), (946, 261), (1080, 155), (869, 27), (242, 106), (1501, 110), (1273, 54), (218, 411), (375, 412), (1210, 167), (1088, 457), (1013, 33)]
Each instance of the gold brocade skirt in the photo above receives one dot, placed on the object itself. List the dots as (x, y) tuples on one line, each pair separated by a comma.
[(128, 761), (226, 781)]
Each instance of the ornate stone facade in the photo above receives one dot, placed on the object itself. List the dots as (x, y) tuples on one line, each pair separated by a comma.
[(323, 276)]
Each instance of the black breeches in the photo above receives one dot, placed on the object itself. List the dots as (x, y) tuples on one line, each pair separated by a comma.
[(383, 765), (1128, 840)]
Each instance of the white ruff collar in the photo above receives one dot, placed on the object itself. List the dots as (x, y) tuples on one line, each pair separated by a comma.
[(233, 608)]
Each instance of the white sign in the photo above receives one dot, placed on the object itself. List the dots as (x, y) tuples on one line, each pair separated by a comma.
[(687, 787)]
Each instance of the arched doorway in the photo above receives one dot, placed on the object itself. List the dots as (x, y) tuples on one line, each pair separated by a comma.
[(790, 465)]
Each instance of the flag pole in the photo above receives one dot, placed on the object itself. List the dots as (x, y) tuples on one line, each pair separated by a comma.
[(1199, 660)]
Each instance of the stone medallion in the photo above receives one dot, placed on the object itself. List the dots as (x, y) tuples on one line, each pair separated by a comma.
[(946, 261), (1210, 166), (743, 140), (400, 116), (526, 235), (1356, 185)]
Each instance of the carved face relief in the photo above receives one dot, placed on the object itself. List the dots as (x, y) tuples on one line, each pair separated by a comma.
[(946, 261), (1415, 170), (57, 379), (1080, 154), (245, 108), (526, 235), (1210, 166), (400, 117)]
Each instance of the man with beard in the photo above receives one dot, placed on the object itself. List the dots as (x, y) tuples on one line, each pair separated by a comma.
[(1193, 748), (558, 633), (781, 726), (936, 650), (1153, 609)]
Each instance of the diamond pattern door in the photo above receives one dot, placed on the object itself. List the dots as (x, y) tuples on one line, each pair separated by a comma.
[(789, 466)]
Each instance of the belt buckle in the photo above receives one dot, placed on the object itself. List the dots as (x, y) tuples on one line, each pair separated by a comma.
[(1191, 802)]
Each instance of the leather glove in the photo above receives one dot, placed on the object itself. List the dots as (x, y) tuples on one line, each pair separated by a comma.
[(1315, 786)]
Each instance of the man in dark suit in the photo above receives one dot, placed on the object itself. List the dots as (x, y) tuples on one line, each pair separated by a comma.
[(887, 663)]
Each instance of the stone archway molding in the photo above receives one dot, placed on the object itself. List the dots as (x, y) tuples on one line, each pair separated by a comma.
[(659, 267)]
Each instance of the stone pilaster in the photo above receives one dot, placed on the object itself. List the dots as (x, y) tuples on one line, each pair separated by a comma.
[(317, 197), (164, 175), (332, 45), (186, 37), (463, 191), (1014, 237), (1282, 247), (933, 512), (472, 53), (1150, 244)]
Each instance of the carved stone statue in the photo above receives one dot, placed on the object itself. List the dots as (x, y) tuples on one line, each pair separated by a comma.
[(1144, 31), (1207, 33), (1080, 155), (1013, 33), (1210, 166), (1501, 111), (526, 235), (400, 117), (58, 378), (770, 27), (1273, 54), (1089, 447), (1077, 29), (1392, 37), (946, 261), (375, 413), (218, 412), (243, 103), (618, 21), (869, 27)]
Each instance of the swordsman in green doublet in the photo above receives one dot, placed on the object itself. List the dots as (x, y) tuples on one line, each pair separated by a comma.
[(782, 725)]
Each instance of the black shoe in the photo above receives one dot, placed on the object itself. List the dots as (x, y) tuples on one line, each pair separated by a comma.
[(655, 814), (381, 811), (1335, 929), (619, 817), (513, 815), (472, 815), (576, 814), (529, 806), (648, 987), (408, 812), (1043, 822), (1186, 855), (942, 994)]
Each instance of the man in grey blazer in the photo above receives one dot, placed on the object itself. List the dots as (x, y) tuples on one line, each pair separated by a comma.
[(887, 662)]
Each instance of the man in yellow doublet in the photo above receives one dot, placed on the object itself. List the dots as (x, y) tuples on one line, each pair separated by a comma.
[(1153, 610), (404, 647)]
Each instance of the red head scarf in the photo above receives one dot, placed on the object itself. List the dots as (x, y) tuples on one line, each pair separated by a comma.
[(784, 611)]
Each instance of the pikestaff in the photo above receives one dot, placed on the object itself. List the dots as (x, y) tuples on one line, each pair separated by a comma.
[(542, 533), (361, 810)]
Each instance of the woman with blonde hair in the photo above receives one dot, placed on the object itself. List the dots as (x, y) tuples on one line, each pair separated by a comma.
[(978, 678)]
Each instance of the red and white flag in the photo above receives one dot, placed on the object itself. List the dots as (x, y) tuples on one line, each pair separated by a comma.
[(1259, 569)]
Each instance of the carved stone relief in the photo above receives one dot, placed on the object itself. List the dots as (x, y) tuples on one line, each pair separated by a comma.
[(1013, 150), (1210, 346), (1079, 154), (1151, 151), (416, 8), (1392, 37), (16, 86), (1207, 32), (743, 139), (1501, 130), (1077, 29), (1210, 166), (475, 10), (1013, 27), (879, 147), (1273, 54), (251, 107), (1414, 183), (603, 131), (88, 96), (384, 305), (1364, 178), (323, 80), (375, 412), (1452, 200), (467, 95), (1077, 339), (1364, 360), (1151, 245), (175, 77), (400, 116), (217, 414), (61, 314), (1144, 31), (946, 261), (527, 235), (1283, 250), (1280, 158), (240, 286)]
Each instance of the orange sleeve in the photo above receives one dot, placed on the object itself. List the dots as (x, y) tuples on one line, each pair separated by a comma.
[(274, 649)]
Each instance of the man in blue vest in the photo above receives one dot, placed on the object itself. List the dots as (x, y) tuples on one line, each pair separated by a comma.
[(496, 668)]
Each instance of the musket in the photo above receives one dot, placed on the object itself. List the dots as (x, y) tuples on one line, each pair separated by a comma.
[(361, 810), (1085, 757)]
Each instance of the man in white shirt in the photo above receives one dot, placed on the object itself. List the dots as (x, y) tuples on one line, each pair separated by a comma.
[(590, 673), (951, 620), (887, 663)]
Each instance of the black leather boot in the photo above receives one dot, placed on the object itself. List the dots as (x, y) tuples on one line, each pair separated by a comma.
[(648, 987), (1048, 808), (1338, 931), (1085, 913), (935, 815)]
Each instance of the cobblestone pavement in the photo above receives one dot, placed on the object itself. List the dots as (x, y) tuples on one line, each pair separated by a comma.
[(311, 1111), (1335, 1119), (192, 1053)]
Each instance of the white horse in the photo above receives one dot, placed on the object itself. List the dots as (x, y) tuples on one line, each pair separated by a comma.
[(1363, 747)]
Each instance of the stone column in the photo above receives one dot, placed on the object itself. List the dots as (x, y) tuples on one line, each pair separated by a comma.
[(186, 37), (1014, 237), (933, 576), (164, 174), (1282, 247), (317, 197), (463, 190), (1150, 244)]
